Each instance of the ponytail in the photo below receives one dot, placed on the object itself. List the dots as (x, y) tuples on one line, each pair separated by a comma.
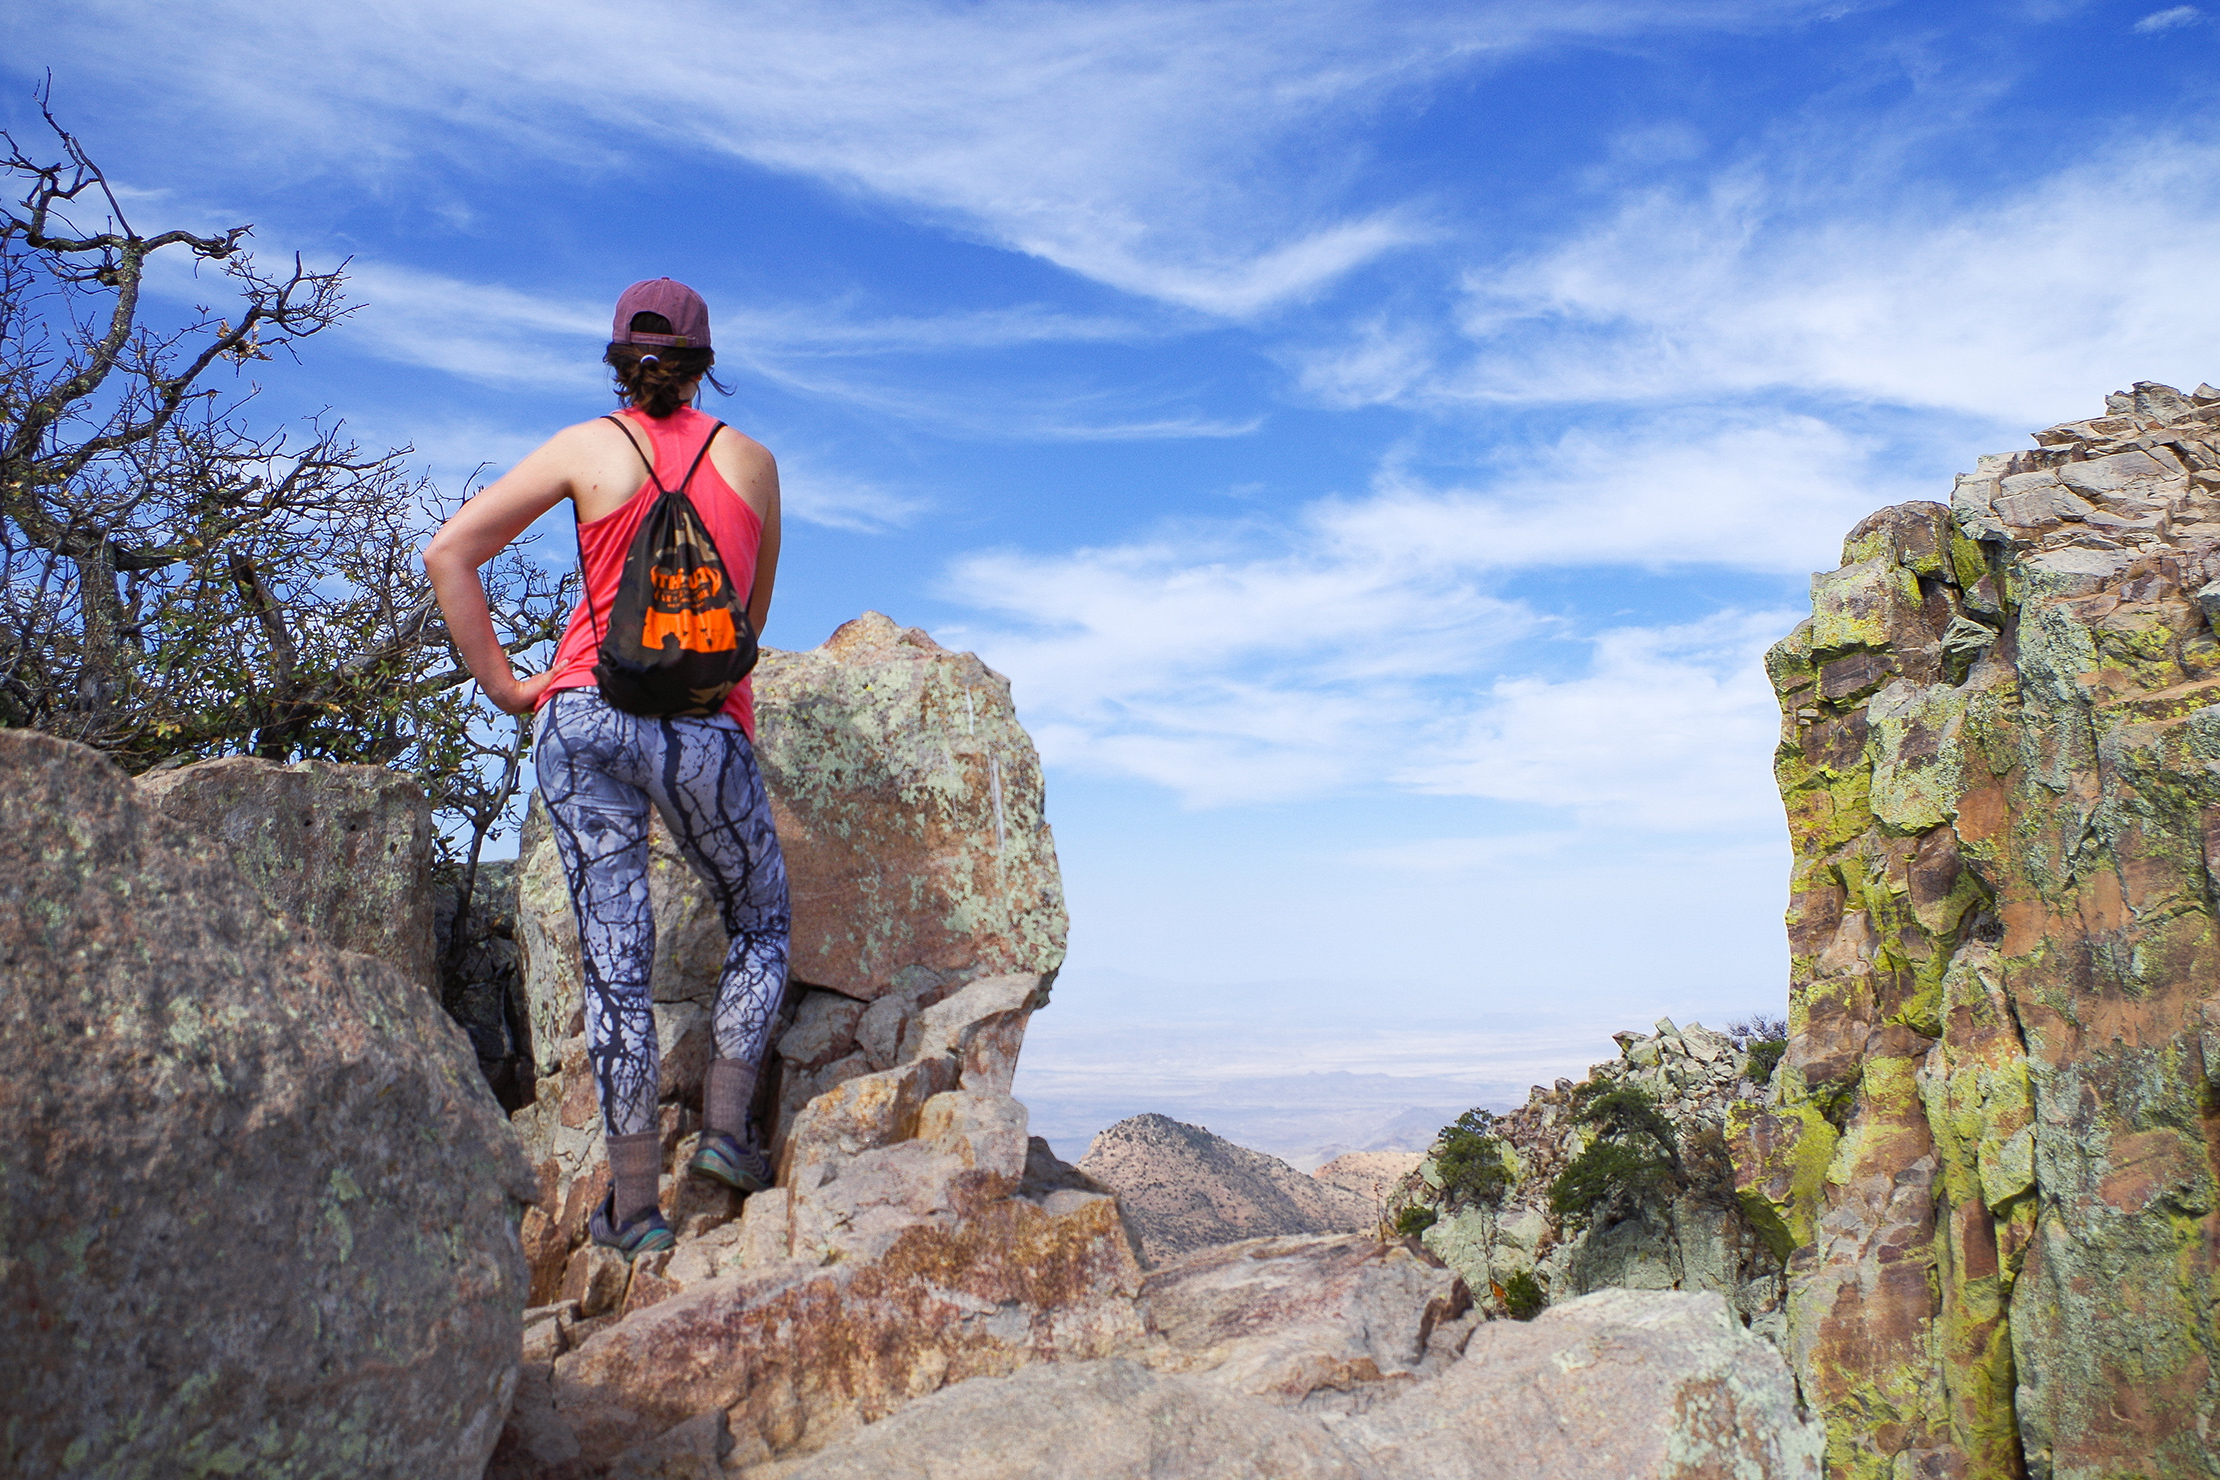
[(654, 378)]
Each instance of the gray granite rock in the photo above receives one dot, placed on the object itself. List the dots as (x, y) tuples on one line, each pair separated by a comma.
[(258, 1211)]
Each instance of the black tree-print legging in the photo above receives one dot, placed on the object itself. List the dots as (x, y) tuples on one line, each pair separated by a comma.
[(599, 769)]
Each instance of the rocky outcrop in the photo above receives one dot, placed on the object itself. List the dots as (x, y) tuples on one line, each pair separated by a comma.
[(1185, 1189), (1333, 1325), (917, 1236), (1619, 1384), (909, 804), (344, 850), (257, 1208), (1991, 1147), (1687, 1234)]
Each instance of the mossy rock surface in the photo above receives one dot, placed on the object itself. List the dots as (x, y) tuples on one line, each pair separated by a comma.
[(1988, 1149)]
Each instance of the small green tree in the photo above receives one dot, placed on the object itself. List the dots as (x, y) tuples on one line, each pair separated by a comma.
[(1762, 1040), (1415, 1219), (1633, 1159), (1470, 1162)]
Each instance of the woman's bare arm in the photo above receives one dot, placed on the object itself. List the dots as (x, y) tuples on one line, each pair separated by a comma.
[(766, 557), (750, 471), (480, 530)]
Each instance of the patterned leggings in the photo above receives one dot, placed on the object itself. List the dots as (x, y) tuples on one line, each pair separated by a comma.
[(599, 768)]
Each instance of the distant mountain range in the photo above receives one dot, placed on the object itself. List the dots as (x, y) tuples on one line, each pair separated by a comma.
[(1183, 1189), (1303, 1119)]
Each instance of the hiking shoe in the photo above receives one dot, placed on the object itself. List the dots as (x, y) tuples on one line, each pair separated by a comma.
[(721, 1158), (643, 1235)]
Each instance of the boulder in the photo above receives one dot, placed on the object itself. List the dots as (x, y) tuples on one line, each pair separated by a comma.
[(909, 805), (344, 850), (1617, 1383), (1990, 1148), (1185, 1189), (1621, 1385), (258, 1211), (1332, 1323)]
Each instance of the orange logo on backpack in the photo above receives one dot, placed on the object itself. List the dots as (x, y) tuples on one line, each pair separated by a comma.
[(681, 609)]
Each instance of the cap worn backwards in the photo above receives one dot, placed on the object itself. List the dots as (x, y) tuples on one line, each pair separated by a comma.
[(688, 315)]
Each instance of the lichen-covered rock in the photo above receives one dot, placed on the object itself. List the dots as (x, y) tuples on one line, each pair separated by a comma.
[(1623, 1385), (1992, 1145), (909, 806), (1696, 1237), (344, 850), (257, 1208)]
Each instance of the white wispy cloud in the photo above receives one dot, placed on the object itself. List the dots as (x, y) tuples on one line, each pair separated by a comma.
[(2167, 20), (1184, 151), (816, 494), (1365, 642), (2011, 307), (1670, 727)]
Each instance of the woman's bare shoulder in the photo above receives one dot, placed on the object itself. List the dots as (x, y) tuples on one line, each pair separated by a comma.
[(740, 444)]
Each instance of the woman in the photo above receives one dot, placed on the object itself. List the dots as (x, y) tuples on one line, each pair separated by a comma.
[(601, 768)]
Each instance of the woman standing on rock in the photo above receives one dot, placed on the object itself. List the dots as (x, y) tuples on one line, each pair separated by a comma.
[(678, 528)]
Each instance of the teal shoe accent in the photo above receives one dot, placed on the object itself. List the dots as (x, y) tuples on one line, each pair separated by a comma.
[(643, 1235), (721, 1158)]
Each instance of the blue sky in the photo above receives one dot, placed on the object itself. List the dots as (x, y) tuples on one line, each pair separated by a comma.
[(1377, 440)]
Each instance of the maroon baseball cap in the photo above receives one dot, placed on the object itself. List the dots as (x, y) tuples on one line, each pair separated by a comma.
[(675, 301)]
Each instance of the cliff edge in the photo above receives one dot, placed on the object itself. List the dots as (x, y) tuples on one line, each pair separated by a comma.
[(1990, 1151)]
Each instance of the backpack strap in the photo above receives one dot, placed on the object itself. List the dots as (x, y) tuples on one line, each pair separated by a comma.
[(684, 483), (575, 523)]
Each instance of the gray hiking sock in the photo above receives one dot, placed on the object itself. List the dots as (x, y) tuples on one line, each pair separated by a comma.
[(636, 1167), (725, 1097)]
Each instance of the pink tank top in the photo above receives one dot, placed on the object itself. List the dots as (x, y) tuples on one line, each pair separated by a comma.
[(603, 544)]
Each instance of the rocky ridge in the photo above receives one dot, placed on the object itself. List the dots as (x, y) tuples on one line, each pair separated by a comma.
[(1184, 1189), (1992, 1143), (1621, 1383), (919, 1241), (1696, 1239)]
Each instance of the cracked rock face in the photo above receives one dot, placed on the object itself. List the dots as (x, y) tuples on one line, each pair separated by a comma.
[(1992, 1142)]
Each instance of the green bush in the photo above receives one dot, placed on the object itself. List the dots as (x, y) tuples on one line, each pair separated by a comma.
[(1607, 1175), (1415, 1220), (1634, 1158), (1522, 1296), (1470, 1162), (1765, 1056), (1622, 1112)]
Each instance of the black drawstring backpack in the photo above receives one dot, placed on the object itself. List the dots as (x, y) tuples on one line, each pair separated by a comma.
[(678, 640)]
